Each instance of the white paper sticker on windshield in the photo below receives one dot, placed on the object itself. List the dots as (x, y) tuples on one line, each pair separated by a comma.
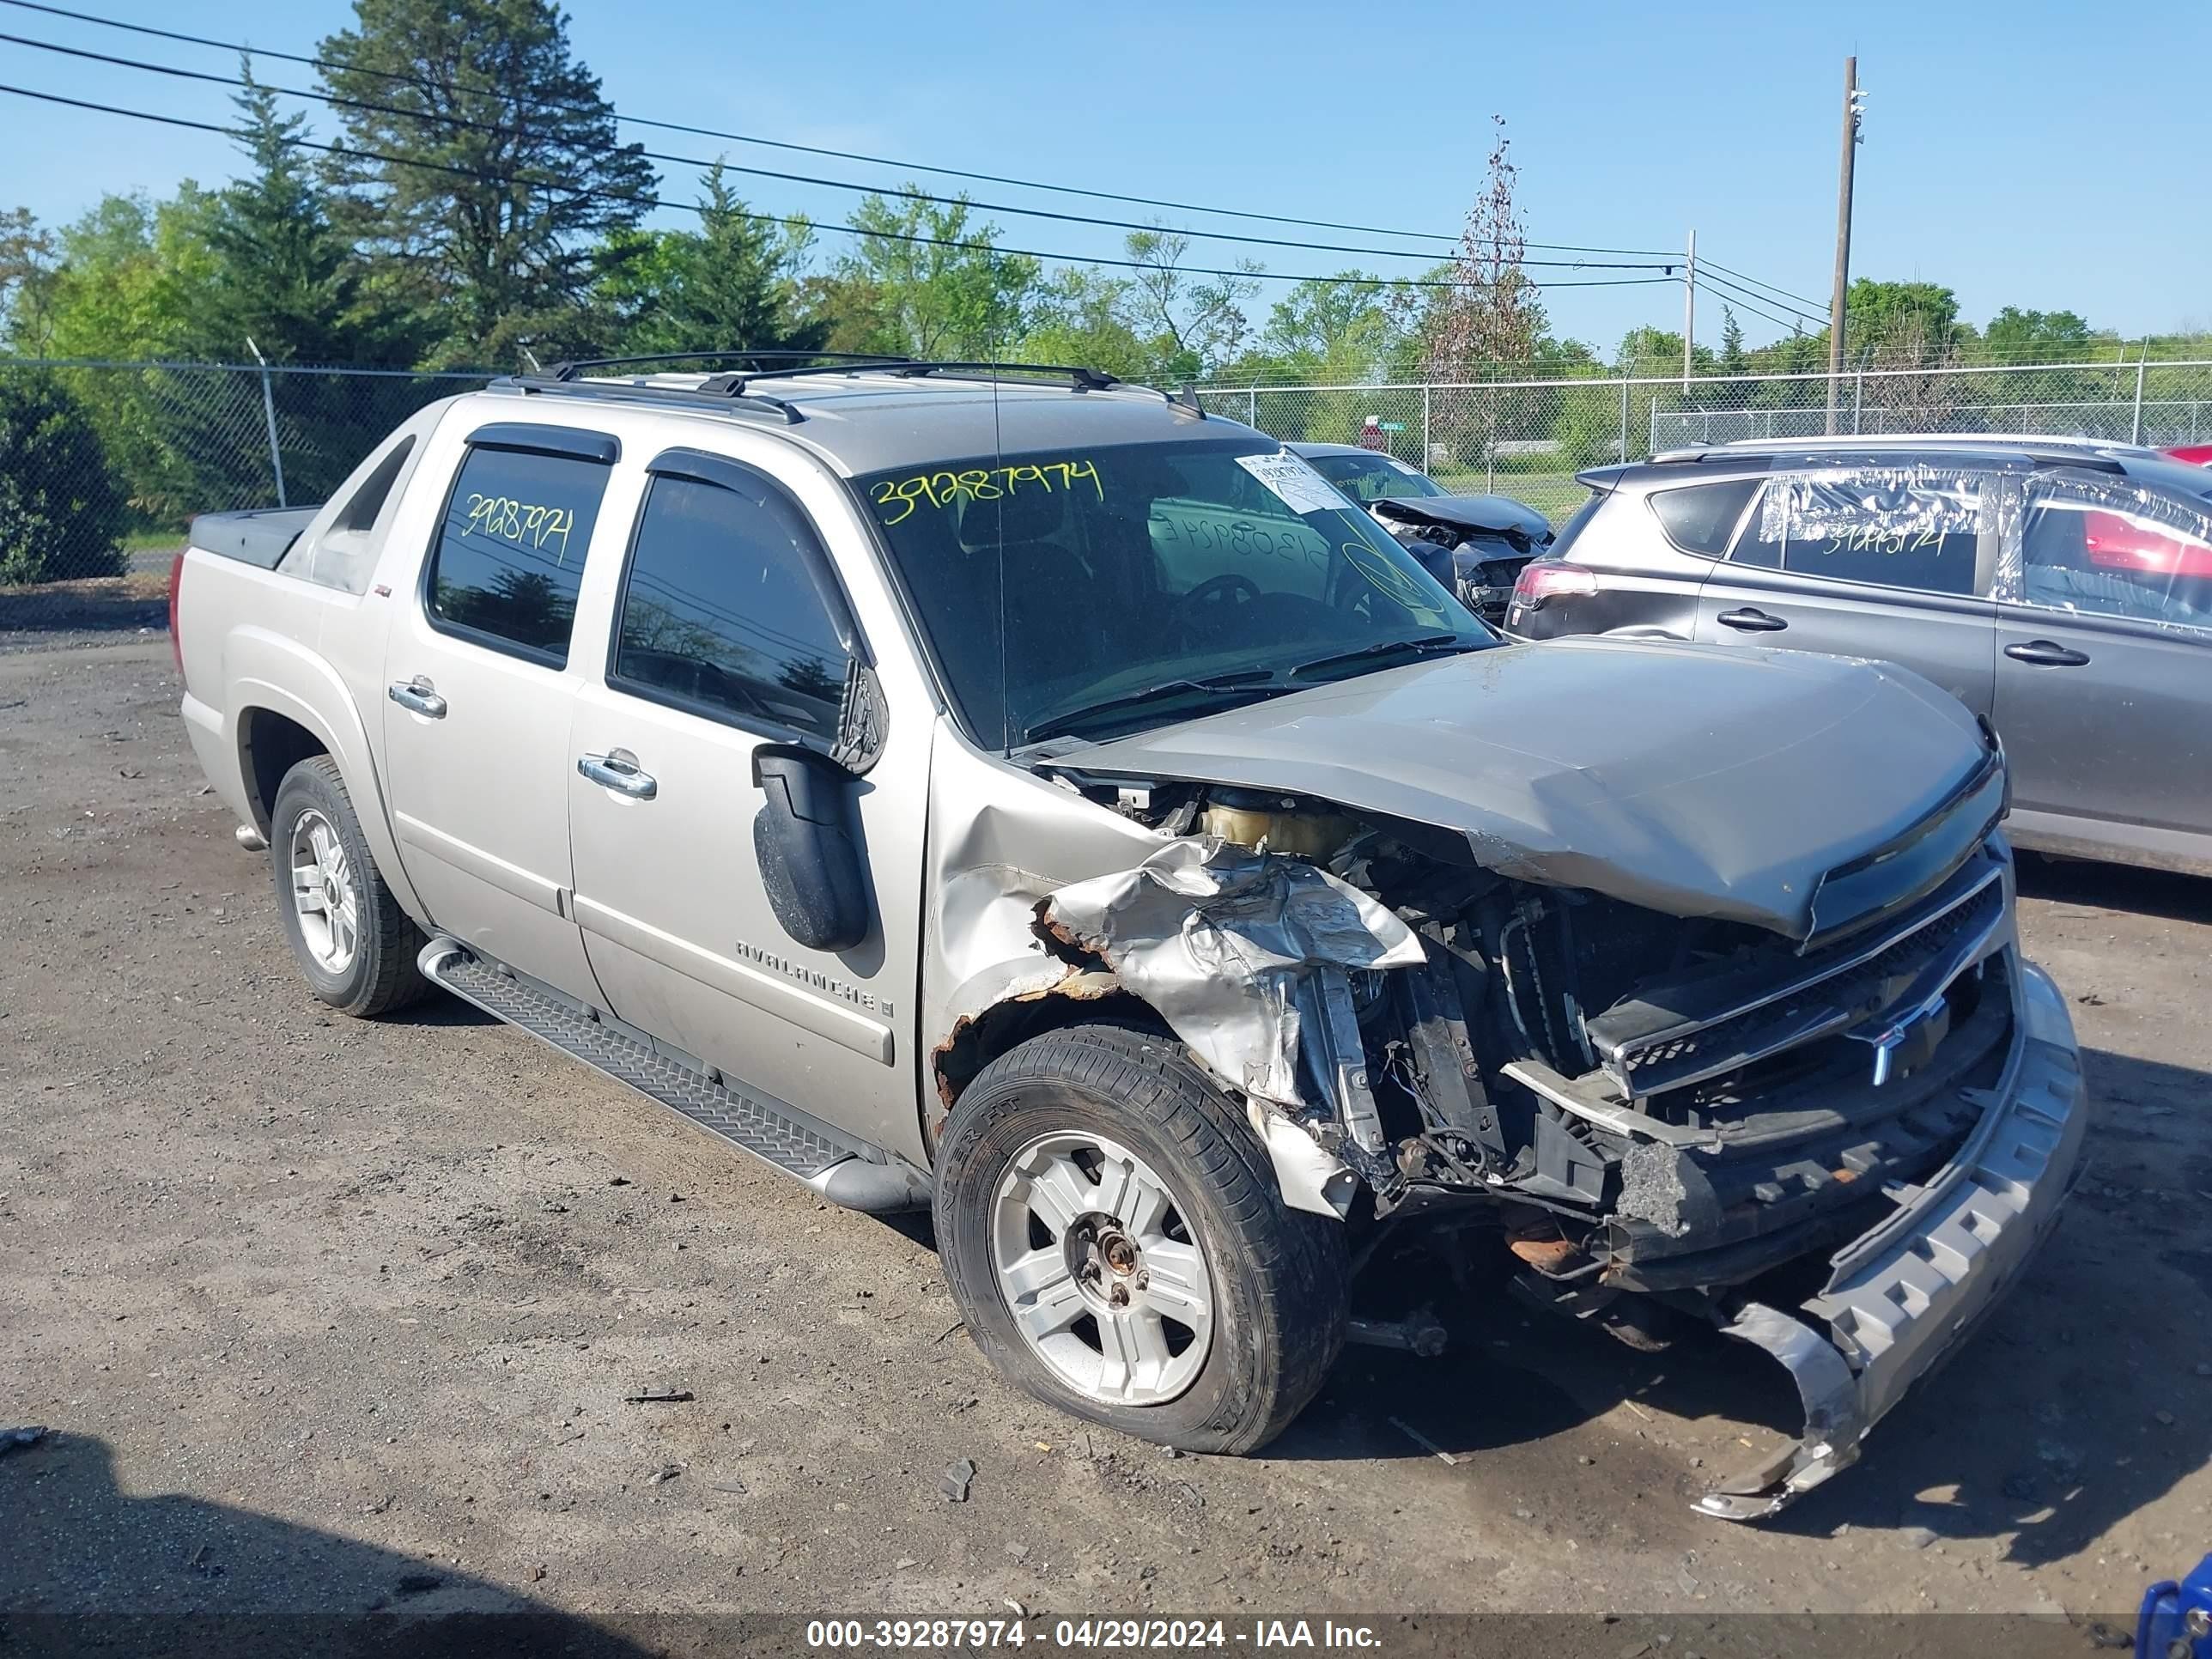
[(1298, 484)]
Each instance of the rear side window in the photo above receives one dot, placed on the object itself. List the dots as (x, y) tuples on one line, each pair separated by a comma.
[(510, 552), (363, 512), (1905, 527), (2114, 547), (1702, 518), (1573, 527), (721, 614)]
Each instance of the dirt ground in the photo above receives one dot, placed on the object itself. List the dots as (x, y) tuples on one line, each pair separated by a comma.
[(331, 1316)]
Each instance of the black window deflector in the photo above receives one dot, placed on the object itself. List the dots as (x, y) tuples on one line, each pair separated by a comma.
[(579, 442), (770, 497)]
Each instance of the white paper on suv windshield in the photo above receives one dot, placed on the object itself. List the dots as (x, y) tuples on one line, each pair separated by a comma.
[(1304, 490)]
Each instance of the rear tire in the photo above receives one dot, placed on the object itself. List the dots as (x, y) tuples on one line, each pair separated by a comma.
[(351, 938), (1173, 1233)]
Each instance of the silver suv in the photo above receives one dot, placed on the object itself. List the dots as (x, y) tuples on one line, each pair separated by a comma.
[(2060, 588), (1024, 794)]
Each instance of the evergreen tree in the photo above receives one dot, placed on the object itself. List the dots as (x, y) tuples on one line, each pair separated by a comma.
[(285, 277), (731, 284), (518, 177)]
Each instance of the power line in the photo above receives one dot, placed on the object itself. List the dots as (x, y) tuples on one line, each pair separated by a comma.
[(1753, 296), (1783, 292), (1759, 304), (499, 130), (585, 192), (1734, 303), (808, 150)]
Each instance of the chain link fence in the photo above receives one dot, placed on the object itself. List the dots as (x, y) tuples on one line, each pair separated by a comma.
[(1529, 438), (102, 464)]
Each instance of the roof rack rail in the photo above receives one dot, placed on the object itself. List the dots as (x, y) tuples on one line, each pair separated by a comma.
[(738, 399), (573, 368), (1083, 379)]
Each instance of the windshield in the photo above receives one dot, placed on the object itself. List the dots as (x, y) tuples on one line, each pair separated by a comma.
[(1140, 569), (1373, 478)]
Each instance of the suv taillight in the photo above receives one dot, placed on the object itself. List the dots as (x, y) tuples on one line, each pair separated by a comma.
[(1545, 579), (176, 584)]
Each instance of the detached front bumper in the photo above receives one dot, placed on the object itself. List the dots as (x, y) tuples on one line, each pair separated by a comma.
[(1903, 1296)]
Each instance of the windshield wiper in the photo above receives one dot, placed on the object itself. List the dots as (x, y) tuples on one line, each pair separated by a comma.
[(1419, 642), (1239, 679)]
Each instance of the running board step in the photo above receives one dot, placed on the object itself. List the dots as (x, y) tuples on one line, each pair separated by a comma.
[(846, 1172)]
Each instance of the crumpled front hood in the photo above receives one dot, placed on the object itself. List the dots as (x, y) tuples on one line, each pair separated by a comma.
[(1488, 516), (1693, 779)]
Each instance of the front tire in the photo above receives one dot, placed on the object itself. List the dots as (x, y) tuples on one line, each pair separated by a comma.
[(1116, 1240), (351, 938)]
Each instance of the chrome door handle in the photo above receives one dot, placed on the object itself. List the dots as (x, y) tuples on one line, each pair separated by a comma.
[(417, 696), (2045, 654), (1750, 622), (617, 771)]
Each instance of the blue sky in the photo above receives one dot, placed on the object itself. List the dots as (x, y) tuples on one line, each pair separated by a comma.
[(2036, 154)]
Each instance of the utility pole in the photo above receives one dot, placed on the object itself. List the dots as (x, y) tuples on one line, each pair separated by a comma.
[(1690, 311), (1853, 105)]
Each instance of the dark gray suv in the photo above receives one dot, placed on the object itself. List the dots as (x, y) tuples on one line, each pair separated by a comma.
[(2060, 588)]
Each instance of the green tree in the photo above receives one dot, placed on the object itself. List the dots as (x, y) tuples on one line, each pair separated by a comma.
[(1905, 324), (282, 274), (926, 281), (1082, 316), (1352, 325), (62, 514), (2014, 336), (1196, 321), (1732, 360), (731, 284), (520, 177), (131, 275), (27, 275)]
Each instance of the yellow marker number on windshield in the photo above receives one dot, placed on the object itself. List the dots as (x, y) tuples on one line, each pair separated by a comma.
[(897, 498)]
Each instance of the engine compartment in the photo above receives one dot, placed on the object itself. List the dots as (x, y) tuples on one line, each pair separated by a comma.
[(1488, 1067)]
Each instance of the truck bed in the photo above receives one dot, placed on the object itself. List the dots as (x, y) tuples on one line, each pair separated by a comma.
[(262, 536)]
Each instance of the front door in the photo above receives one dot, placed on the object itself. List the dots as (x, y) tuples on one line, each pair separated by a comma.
[(2104, 669), (1875, 562), (477, 700), (724, 640)]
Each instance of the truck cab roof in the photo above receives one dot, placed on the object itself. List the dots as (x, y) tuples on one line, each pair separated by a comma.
[(869, 418)]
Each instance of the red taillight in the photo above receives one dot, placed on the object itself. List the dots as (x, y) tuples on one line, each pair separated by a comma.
[(1547, 579), (176, 585)]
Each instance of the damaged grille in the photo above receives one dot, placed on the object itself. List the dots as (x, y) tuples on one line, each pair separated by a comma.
[(1684, 1036)]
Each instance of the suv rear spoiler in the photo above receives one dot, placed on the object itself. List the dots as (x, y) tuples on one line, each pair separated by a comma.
[(1604, 480)]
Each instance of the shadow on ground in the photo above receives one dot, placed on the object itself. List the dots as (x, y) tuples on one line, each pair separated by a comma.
[(92, 1569), (2116, 887), (2050, 1423)]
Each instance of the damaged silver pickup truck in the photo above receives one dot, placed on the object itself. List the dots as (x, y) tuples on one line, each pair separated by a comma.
[(1022, 794)]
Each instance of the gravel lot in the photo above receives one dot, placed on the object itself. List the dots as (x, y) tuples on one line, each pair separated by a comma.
[(329, 1316)]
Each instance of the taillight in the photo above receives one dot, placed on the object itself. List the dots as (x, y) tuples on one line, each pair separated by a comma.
[(1548, 579), (176, 583)]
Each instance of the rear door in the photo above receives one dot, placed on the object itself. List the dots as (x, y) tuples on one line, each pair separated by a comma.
[(731, 635), (478, 692), (1889, 563), (2104, 671)]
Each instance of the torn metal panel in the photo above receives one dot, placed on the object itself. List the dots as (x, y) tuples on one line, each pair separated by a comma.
[(1244, 955), (1683, 778), (1312, 1178), (1834, 1422)]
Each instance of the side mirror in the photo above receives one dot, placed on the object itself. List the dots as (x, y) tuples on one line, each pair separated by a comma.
[(809, 857)]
